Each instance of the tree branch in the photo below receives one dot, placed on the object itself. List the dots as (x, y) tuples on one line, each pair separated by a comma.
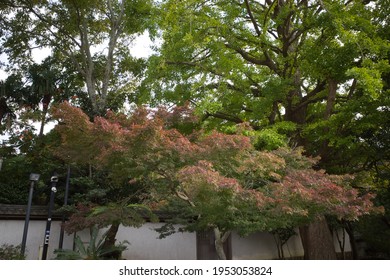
[(184, 197), (265, 62), (224, 116), (255, 25)]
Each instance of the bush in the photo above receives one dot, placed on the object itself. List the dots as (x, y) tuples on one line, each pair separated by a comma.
[(11, 252), (94, 250)]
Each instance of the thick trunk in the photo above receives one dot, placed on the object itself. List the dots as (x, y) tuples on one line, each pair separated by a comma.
[(274, 112), (296, 113), (317, 241), (332, 91), (331, 98)]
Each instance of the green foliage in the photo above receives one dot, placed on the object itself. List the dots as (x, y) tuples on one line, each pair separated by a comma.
[(90, 40), (93, 250), (10, 252), (269, 139), (14, 188), (210, 181), (283, 55), (197, 168)]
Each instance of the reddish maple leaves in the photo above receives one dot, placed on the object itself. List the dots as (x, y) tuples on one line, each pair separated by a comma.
[(163, 149)]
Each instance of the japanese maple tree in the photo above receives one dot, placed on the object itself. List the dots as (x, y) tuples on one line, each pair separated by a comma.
[(212, 181)]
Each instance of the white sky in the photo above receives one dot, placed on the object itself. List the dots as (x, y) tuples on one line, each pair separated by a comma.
[(141, 48)]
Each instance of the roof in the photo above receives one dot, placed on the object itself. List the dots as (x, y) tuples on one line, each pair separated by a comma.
[(18, 212), (39, 212)]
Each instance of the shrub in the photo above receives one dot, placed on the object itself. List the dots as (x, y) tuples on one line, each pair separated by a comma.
[(11, 252)]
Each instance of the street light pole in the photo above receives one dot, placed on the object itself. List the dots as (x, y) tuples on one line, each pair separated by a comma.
[(53, 180), (33, 178)]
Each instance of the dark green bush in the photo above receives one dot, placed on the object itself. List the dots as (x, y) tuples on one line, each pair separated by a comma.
[(10, 252)]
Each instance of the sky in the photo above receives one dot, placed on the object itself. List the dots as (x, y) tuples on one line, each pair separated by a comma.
[(141, 48)]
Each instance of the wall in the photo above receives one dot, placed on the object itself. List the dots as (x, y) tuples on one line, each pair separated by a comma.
[(144, 242), (262, 245), (11, 232)]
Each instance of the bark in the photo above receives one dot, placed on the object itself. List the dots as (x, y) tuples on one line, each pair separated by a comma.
[(220, 239), (274, 112), (352, 240), (296, 111), (115, 32), (317, 241), (110, 240), (88, 64), (331, 98), (296, 114), (4, 109), (46, 101), (328, 112)]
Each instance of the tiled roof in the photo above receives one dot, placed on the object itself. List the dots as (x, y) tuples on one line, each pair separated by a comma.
[(17, 212)]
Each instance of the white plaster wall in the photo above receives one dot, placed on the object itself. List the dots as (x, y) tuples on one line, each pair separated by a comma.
[(262, 245), (145, 244), (144, 241), (347, 242), (11, 232)]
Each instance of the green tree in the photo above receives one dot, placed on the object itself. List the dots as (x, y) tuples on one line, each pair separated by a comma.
[(91, 37), (312, 63), (212, 181)]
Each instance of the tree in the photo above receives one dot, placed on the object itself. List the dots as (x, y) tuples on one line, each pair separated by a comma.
[(264, 62), (213, 181), (91, 37)]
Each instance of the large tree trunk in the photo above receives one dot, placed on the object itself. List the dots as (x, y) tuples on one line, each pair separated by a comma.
[(331, 98), (325, 151), (317, 241)]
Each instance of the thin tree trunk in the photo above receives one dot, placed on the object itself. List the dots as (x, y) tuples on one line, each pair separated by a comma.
[(4, 109), (220, 239), (352, 240), (46, 101), (110, 240)]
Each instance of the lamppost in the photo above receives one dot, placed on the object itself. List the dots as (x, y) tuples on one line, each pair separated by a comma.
[(53, 180), (33, 179)]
